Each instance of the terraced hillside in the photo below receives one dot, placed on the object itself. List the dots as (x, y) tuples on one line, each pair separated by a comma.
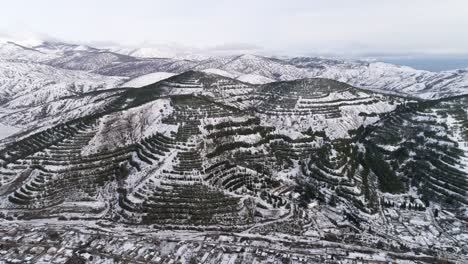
[(223, 89), (320, 105), (423, 147), (311, 157)]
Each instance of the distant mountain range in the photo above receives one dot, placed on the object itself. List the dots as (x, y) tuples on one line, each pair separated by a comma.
[(247, 68)]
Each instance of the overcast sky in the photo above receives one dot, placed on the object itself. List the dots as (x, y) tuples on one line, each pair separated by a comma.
[(286, 27)]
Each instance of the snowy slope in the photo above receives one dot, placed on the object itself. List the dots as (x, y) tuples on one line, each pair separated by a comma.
[(252, 64), (133, 125), (220, 72), (12, 51), (60, 48), (248, 78), (374, 76), (145, 66), (254, 79), (394, 78), (88, 60), (25, 84), (147, 79), (57, 111), (319, 104), (35, 50)]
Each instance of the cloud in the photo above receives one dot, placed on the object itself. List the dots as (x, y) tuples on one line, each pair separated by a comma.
[(234, 46), (100, 43), (351, 27)]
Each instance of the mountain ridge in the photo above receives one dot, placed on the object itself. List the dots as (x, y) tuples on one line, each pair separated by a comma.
[(255, 68)]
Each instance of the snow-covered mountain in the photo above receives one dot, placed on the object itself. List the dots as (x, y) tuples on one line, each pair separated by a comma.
[(60, 48), (369, 75), (35, 74), (315, 164), (13, 51), (26, 84), (249, 158), (389, 77), (38, 50), (255, 69), (88, 60)]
